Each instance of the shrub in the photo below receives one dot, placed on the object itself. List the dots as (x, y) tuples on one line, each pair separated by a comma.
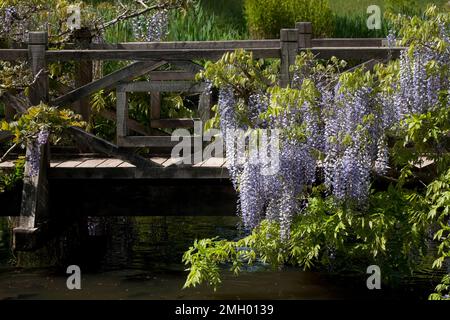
[(265, 18)]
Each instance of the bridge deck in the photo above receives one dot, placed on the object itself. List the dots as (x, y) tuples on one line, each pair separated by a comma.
[(92, 167)]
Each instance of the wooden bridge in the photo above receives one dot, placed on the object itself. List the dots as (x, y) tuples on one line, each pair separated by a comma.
[(99, 160)]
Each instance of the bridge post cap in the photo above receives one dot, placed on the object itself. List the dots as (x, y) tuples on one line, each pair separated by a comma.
[(37, 37), (304, 27), (288, 35)]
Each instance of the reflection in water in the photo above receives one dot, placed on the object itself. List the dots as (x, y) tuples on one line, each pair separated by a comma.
[(140, 258)]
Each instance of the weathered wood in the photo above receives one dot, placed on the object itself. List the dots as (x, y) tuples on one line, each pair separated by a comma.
[(289, 39), (122, 114), (36, 47), (111, 163), (356, 53), (97, 144), (169, 169), (347, 42), (83, 73), (168, 55), (70, 163), (162, 86), (34, 204), (204, 106), (13, 54), (134, 70), (91, 163), (176, 75), (155, 106), (228, 44), (304, 34)]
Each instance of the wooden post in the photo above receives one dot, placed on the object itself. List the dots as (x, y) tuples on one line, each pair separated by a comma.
[(122, 115), (34, 206), (304, 30), (289, 46), (155, 107), (83, 72)]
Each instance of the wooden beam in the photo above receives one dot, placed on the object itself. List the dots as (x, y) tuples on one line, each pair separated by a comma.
[(168, 55), (162, 86), (83, 73), (289, 47), (13, 54), (176, 75), (347, 42), (227, 44), (134, 70), (356, 53)]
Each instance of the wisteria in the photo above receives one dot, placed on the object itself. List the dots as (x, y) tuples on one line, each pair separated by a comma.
[(153, 28), (340, 131)]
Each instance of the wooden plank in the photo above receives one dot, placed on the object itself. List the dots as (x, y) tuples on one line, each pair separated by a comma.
[(167, 55), (347, 42), (110, 163), (214, 162), (227, 44), (126, 165), (134, 70), (356, 53), (172, 162), (13, 54), (162, 86), (177, 75), (70, 163), (159, 160), (54, 163), (91, 163), (225, 164), (127, 171), (7, 165), (100, 145)]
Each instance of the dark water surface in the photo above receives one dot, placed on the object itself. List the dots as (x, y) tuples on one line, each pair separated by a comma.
[(140, 258)]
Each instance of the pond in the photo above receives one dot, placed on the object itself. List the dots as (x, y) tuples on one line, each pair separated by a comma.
[(140, 258)]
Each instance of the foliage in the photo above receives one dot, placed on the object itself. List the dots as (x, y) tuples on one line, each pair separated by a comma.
[(20, 16), (41, 118), (199, 25), (266, 18), (370, 200), (9, 180)]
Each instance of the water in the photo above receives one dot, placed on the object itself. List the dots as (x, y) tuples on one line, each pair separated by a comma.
[(140, 258)]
